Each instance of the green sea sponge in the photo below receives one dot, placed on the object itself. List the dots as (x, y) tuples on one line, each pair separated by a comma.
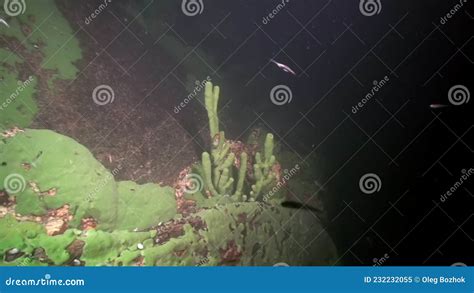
[(263, 172), (105, 248), (17, 235), (25, 237), (218, 167), (142, 206), (211, 99), (55, 42), (245, 234), (44, 170)]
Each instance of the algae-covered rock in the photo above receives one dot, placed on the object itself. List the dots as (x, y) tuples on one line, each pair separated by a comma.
[(54, 48), (143, 206), (26, 243), (14, 235), (115, 248), (48, 178), (231, 234), (17, 106), (243, 234), (44, 170), (20, 240), (56, 40)]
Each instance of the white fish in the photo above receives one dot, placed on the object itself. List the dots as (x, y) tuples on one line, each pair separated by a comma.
[(438, 106), (4, 22), (283, 67)]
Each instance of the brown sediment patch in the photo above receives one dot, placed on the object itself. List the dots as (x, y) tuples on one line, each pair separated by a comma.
[(88, 224), (75, 250), (175, 228), (167, 231), (57, 220), (230, 254), (136, 131), (181, 186)]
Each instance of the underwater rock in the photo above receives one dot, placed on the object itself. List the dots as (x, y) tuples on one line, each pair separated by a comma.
[(85, 193), (143, 206), (57, 163), (126, 224), (242, 234), (31, 68), (231, 234)]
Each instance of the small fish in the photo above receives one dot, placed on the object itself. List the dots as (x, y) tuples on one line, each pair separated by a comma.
[(4, 22), (283, 67), (438, 106), (297, 205)]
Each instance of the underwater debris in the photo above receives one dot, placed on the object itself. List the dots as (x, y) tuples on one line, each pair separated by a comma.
[(57, 221), (182, 186), (36, 189), (55, 227), (12, 132), (88, 224), (13, 254), (13, 251), (26, 166)]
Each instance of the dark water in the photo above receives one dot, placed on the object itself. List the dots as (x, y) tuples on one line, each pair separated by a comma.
[(337, 54)]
